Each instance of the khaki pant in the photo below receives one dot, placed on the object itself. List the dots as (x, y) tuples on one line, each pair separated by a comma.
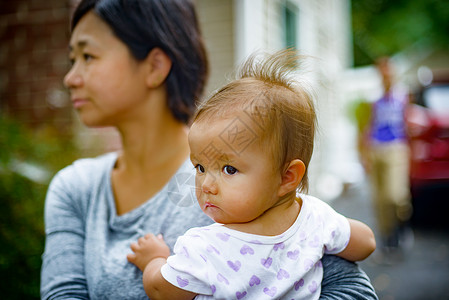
[(390, 185)]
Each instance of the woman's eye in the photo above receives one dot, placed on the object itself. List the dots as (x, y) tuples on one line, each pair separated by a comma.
[(229, 170), (199, 168), (87, 57)]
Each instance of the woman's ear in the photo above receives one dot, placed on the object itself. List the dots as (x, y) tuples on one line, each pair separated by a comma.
[(159, 66), (291, 177)]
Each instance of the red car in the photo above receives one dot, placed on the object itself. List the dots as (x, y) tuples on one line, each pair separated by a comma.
[(428, 128)]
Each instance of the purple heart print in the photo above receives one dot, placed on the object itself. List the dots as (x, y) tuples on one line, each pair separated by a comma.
[(240, 295), (266, 262), (221, 278), (270, 291), (181, 281), (293, 255), (313, 287), (234, 265), (298, 284), (223, 236), (278, 246), (254, 280), (246, 250), (282, 274)]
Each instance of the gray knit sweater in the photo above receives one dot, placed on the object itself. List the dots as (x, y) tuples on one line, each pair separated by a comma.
[(87, 243)]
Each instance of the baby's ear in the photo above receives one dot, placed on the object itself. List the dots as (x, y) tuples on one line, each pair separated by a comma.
[(291, 177)]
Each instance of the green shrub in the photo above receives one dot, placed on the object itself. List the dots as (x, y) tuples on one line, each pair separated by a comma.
[(28, 160)]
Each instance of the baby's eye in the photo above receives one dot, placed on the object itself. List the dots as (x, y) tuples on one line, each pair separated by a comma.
[(229, 170), (199, 168)]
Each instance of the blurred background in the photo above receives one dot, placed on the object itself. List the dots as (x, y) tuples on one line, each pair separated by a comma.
[(40, 133)]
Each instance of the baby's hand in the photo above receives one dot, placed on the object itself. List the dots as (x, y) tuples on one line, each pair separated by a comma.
[(146, 249)]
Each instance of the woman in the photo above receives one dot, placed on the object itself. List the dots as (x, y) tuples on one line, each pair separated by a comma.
[(138, 66)]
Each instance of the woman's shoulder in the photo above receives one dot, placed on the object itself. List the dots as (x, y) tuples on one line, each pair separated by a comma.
[(84, 172), (100, 162), (72, 187), (92, 166)]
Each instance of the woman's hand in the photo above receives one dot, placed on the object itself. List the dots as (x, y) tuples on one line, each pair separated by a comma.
[(146, 249)]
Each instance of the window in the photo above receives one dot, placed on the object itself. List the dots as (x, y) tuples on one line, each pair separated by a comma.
[(290, 19)]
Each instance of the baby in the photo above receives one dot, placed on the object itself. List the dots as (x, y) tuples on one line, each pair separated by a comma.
[(251, 144)]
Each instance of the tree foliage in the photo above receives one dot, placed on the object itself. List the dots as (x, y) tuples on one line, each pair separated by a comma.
[(386, 27)]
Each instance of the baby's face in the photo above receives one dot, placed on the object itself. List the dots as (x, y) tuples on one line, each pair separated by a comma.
[(235, 179)]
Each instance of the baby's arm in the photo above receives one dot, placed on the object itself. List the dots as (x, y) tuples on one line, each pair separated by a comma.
[(150, 254), (361, 242)]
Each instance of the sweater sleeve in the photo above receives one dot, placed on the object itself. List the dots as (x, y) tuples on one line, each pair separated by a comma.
[(344, 280), (62, 272)]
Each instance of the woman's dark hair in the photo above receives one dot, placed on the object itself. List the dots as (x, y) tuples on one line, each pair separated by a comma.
[(171, 25)]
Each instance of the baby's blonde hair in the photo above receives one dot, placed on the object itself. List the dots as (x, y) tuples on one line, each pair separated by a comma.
[(280, 108)]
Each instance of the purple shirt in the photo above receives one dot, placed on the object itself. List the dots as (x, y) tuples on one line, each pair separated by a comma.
[(388, 124)]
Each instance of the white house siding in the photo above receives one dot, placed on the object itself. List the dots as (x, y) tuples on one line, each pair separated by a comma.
[(258, 26), (217, 24), (324, 34)]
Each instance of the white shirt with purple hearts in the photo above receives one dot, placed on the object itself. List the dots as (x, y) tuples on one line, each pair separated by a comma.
[(220, 263)]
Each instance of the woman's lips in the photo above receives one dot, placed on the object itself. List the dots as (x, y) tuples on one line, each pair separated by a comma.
[(78, 102)]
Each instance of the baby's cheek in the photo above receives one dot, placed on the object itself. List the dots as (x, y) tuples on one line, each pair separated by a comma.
[(198, 194)]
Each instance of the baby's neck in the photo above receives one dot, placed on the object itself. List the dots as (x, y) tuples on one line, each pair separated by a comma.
[(274, 221)]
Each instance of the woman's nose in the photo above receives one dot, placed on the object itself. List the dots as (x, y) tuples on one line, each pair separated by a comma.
[(209, 185), (73, 78)]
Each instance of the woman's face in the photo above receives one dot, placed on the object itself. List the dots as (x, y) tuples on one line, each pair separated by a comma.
[(106, 83)]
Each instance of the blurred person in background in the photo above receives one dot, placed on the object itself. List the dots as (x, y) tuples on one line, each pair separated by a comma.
[(139, 66), (388, 153)]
